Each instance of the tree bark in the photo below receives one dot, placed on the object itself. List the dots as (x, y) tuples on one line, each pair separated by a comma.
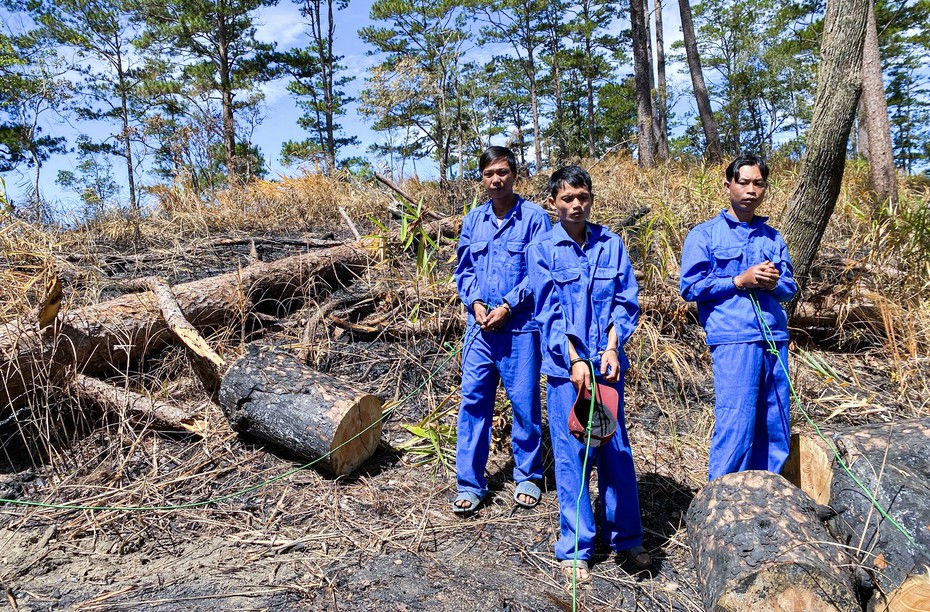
[(838, 85), (642, 70), (661, 88), (701, 96), (875, 117), (274, 397), (758, 544), (892, 465)]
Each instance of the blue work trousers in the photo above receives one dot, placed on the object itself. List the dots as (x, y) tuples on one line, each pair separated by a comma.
[(616, 480), (752, 397), (487, 358)]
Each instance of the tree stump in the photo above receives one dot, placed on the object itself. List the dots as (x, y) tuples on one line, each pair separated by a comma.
[(271, 395), (892, 463), (758, 544)]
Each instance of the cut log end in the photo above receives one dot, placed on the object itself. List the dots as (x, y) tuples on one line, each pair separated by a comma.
[(810, 467), (785, 587), (913, 594), (271, 395), (357, 436)]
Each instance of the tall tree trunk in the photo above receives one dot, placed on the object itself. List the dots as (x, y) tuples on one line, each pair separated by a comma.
[(711, 135), (838, 85), (327, 68), (323, 44), (860, 143), (589, 86), (37, 197), (229, 124), (531, 74), (127, 146), (875, 116), (554, 47), (661, 88), (642, 71)]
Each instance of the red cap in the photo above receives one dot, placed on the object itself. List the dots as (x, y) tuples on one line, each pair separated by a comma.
[(603, 417)]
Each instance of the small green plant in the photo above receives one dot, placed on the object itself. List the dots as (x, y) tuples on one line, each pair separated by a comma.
[(433, 441), (4, 202), (412, 230), (821, 367)]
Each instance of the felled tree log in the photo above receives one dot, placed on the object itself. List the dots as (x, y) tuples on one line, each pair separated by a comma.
[(106, 334), (207, 364), (271, 395), (93, 338), (758, 544), (892, 464)]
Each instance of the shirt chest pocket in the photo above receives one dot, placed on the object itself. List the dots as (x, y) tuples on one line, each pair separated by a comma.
[(728, 261), (516, 258), (769, 252), (568, 286), (478, 251), (605, 281)]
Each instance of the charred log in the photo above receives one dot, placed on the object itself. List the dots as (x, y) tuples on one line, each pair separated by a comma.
[(271, 395), (892, 467), (758, 544)]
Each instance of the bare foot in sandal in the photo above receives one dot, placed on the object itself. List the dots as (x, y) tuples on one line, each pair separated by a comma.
[(466, 503), (638, 556), (580, 569), (527, 494)]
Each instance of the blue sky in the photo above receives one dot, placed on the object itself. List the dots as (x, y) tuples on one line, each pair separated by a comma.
[(283, 25)]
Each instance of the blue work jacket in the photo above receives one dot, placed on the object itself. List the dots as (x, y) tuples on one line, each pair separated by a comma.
[(718, 250), (492, 261), (580, 292)]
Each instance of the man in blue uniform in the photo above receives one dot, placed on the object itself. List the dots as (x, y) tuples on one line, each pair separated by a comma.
[(587, 308), (727, 262), (501, 338)]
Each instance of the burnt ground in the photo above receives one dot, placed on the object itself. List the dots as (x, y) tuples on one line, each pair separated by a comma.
[(265, 532), (382, 538)]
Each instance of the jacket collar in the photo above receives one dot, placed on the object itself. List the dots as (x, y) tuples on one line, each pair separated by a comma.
[(517, 210), (592, 233), (733, 221)]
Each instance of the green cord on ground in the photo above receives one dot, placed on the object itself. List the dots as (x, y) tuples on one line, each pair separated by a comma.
[(773, 348)]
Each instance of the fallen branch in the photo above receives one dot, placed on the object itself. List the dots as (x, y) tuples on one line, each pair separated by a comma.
[(207, 364), (139, 407)]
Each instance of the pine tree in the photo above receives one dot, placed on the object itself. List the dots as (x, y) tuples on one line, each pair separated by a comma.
[(318, 82), (213, 45), (410, 93)]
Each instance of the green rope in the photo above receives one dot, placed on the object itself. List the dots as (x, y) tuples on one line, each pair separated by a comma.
[(454, 350), (583, 486), (773, 349)]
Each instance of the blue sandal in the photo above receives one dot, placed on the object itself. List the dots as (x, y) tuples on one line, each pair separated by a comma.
[(472, 498), (530, 490)]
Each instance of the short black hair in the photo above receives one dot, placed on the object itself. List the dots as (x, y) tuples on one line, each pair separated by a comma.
[(747, 159), (575, 176), (492, 154)]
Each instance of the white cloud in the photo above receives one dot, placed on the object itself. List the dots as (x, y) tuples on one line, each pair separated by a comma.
[(281, 24), (274, 90)]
